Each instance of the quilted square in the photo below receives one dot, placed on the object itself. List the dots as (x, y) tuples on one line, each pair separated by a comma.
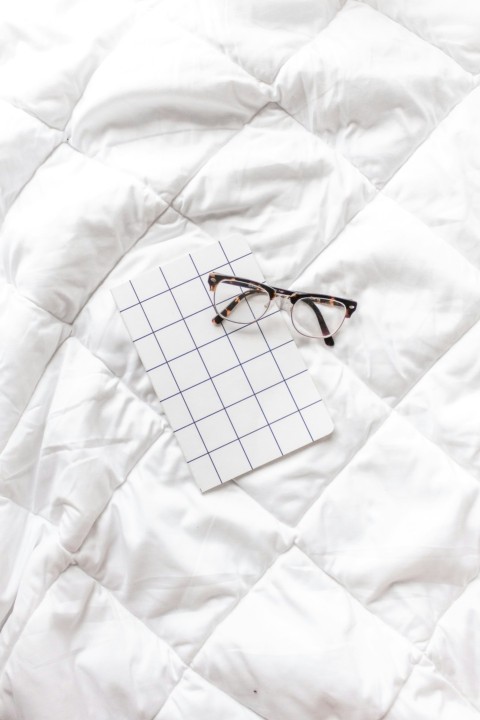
[(376, 97), (194, 696), (361, 662), (439, 405), (161, 74), (288, 179), (80, 435), (102, 213), (29, 142), (56, 50), (416, 296), (457, 629), (260, 38), (439, 184), (214, 546), (452, 26), (427, 691), (24, 355), (47, 656), (24, 535), (407, 570)]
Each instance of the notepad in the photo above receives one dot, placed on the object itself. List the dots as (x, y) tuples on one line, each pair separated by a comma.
[(236, 396)]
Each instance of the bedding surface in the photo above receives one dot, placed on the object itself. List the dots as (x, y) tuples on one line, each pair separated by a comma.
[(340, 139)]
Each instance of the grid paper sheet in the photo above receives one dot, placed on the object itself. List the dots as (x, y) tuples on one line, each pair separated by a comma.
[(236, 396)]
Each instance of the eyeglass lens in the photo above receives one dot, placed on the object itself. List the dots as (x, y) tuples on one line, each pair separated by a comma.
[(241, 302), (317, 317)]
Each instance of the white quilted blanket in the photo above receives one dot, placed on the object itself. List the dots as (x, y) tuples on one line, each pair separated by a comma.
[(341, 140)]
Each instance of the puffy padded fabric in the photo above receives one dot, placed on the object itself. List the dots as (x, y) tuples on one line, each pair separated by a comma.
[(341, 140)]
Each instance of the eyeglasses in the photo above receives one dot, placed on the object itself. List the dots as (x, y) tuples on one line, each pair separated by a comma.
[(243, 301)]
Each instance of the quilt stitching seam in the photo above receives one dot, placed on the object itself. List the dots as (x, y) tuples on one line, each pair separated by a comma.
[(189, 665), (382, 187), (27, 182), (216, 688), (30, 113), (30, 301), (418, 36), (223, 617), (312, 260), (120, 381), (427, 42), (6, 655), (393, 408), (40, 517), (272, 82), (423, 653), (171, 205)]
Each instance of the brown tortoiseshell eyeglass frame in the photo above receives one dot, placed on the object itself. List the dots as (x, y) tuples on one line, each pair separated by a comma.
[(293, 296)]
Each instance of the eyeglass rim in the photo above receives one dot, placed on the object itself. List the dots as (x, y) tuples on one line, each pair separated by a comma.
[(253, 283), (318, 337)]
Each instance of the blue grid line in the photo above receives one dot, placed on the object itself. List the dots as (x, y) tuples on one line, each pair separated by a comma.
[(248, 397), (238, 359), (169, 397), (208, 373), (294, 412), (273, 356), (197, 312), (162, 292), (175, 380), (198, 347)]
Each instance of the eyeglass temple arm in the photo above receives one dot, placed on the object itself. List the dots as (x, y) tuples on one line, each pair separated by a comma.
[(228, 309), (323, 325)]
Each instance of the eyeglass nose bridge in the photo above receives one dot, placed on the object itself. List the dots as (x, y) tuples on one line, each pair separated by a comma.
[(282, 301), (281, 295)]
